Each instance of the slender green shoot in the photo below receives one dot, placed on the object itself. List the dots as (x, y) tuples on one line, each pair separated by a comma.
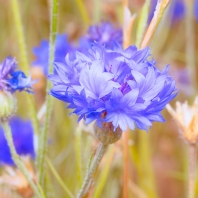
[(58, 178), (49, 100), (142, 22), (83, 12)]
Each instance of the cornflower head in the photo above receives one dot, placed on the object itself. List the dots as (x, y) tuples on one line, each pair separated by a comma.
[(22, 133), (186, 118), (121, 87), (11, 80), (62, 47), (104, 33)]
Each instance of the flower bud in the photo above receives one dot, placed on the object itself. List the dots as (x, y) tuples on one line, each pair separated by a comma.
[(106, 133), (8, 105)]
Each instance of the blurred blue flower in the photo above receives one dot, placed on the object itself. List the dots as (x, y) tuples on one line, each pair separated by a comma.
[(62, 47), (12, 79), (104, 33), (22, 133), (119, 86)]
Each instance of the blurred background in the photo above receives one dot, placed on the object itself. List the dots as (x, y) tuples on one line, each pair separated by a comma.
[(158, 159)]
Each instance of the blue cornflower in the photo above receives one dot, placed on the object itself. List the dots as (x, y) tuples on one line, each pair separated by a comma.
[(119, 86), (22, 133), (12, 79), (104, 33), (62, 47)]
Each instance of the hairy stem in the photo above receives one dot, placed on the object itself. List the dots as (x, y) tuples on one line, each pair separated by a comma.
[(94, 165), (78, 149), (105, 171), (16, 158), (24, 60), (49, 100)]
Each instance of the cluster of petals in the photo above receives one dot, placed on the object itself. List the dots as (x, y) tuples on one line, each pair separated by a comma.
[(12, 79), (104, 33), (119, 86), (22, 133)]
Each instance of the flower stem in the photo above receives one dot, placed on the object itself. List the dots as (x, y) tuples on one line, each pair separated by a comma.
[(142, 22), (94, 165), (159, 11), (125, 163), (20, 35), (49, 100), (97, 11), (83, 12), (190, 42), (78, 149), (191, 181), (24, 60), (105, 171), (146, 174), (58, 178), (16, 158)]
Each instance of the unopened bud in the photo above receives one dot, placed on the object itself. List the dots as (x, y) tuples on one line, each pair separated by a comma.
[(8, 105), (106, 133)]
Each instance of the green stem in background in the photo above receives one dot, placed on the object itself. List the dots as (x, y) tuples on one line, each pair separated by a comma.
[(190, 41), (49, 100), (142, 22), (94, 165), (97, 11), (58, 178), (159, 11), (146, 181), (24, 60), (20, 36), (78, 149), (126, 174), (16, 158), (191, 171), (83, 12), (105, 171)]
